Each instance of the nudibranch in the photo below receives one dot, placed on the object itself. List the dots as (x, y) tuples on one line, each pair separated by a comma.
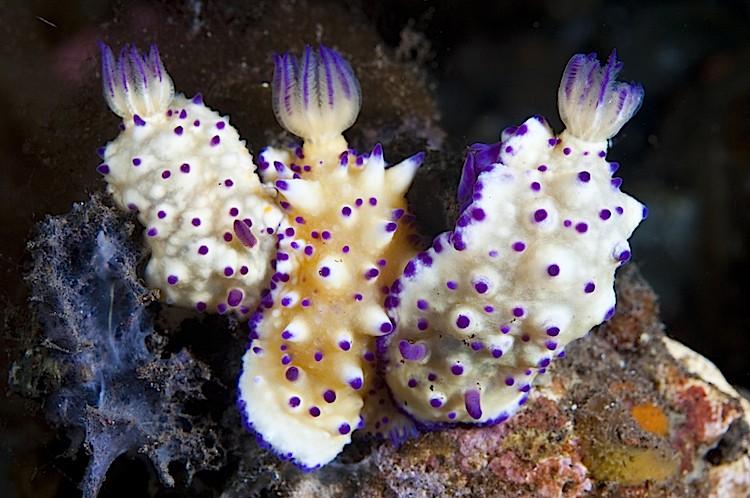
[(210, 224), (310, 368), (528, 267)]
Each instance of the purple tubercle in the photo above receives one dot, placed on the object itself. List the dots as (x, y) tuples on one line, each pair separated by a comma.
[(478, 158)]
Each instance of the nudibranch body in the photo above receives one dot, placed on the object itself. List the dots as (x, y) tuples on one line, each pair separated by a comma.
[(529, 266), (346, 236), (210, 224)]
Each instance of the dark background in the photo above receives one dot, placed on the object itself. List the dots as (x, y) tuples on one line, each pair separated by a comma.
[(686, 154)]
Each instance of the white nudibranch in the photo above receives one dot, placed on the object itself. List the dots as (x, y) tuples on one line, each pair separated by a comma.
[(210, 224), (309, 378), (529, 266)]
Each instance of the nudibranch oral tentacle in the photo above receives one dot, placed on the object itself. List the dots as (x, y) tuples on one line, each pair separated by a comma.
[(309, 378), (189, 176), (528, 268)]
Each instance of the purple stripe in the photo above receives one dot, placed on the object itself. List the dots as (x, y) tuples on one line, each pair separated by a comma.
[(329, 76), (308, 74)]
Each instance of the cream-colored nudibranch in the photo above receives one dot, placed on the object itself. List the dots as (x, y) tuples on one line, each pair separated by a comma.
[(210, 224), (529, 266), (310, 370)]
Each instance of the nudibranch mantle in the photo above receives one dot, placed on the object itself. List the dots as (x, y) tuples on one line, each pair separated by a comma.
[(529, 266), (210, 224)]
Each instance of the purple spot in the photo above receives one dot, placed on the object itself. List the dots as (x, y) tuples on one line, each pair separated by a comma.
[(518, 312), (451, 285), (215, 140), (473, 405), (624, 256), (344, 429), (234, 298), (610, 313), (412, 383), (582, 227), (553, 270), (103, 169), (294, 401), (196, 122), (540, 215), (315, 411), (228, 271), (371, 273), (505, 329), (166, 174), (161, 215), (138, 121), (553, 331), (422, 324), (292, 374), (519, 246), (309, 250), (369, 356), (478, 214), (644, 212), (329, 396), (356, 383), (200, 306), (481, 287), (346, 211), (185, 168), (567, 223), (435, 403), (616, 182), (151, 232), (589, 287), (318, 356), (183, 114), (228, 237), (497, 353), (551, 345), (543, 167), (619, 210), (605, 214), (324, 271), (463, 321), (509, 381), (391, 227), (203, 250), (286, 360), (345, 345), (476, 345), (178, 130), (422, 304), (457, 369), (431, 377), (584, 176), (172, 279), (196, 222), (358, 297), (373, 201)]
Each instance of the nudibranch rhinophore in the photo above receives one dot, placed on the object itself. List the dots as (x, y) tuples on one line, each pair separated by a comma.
[(310, 370), (528, 267), (210, 224)]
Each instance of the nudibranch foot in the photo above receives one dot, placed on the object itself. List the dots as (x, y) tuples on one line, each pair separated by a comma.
[(136, 84), (316, 98), (593, 105), (184, 169), (528, 268)]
